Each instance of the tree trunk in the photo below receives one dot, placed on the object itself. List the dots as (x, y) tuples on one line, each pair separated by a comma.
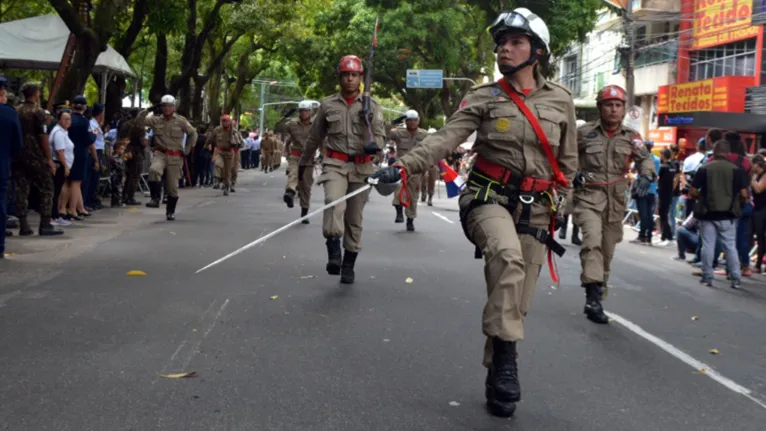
[(160, 70), (86, 54), (214, 96), (197, 102)]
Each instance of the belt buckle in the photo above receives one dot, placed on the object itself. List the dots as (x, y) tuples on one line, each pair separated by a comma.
[(526, 199)]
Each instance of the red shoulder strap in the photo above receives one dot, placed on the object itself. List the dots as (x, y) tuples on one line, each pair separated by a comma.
[(558, 176)]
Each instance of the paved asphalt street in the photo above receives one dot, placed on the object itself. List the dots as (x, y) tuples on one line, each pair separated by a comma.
[(280, 345)]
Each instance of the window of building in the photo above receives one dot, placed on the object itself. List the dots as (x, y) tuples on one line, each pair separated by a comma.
[(569, 77), (734, 59)]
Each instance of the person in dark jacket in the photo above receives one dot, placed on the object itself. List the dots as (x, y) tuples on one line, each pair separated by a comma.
[(83, 140), (10, 145)]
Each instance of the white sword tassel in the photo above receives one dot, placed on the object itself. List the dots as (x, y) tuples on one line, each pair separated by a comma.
[(285, 227)]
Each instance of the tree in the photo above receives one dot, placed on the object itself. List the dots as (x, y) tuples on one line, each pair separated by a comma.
[(93, 29)]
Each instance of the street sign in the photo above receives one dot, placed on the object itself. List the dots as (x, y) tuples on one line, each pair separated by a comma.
[(424, 78), (633, 118)]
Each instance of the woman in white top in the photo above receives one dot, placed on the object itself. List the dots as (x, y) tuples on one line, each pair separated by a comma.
[(62, 149)]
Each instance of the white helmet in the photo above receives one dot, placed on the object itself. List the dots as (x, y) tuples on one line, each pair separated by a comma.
[(523, 21), (304, 104), (411, 115), (168, 100)]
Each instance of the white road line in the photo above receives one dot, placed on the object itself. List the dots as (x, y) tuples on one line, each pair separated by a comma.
[(686, 358), (210, 327), (442, 217)]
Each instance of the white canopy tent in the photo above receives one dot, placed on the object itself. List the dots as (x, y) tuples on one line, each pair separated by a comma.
[(39, 43)]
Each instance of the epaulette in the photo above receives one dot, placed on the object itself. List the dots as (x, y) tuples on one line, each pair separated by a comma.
[(486, 84), (561, 86)]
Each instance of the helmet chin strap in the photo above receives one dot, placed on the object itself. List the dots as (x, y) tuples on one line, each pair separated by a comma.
[(509, 71)]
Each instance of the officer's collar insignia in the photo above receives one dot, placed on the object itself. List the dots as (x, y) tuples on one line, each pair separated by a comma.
[(496, 91), (592, 134)]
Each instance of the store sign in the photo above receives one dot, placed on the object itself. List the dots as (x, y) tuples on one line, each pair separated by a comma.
[(717, 22), (663, 136), (725, 94)]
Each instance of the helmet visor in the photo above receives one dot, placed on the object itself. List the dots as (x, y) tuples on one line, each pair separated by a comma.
[(512, 20)]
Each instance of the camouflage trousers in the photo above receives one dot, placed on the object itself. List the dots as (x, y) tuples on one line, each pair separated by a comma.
[(28, 172), (115, 180)]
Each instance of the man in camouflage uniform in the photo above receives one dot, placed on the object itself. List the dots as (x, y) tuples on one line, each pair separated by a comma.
[(34, 166), (298, 133), (406, 139), (606, 150), (135, 136), (169, 129), (352, 140), (515, 183)]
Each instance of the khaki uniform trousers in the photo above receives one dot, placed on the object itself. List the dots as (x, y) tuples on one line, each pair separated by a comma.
[(512, 266), (237, 162), (301, 185), (599, 239), (414, 187), (218, 168), (226, 159), (345, 219), (428, 181), (169, 165), (266, 159)]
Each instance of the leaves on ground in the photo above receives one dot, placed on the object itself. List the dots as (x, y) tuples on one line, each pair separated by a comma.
[(178, 375), (714, 351), (454, 403), (695, 318), (136, 273), (308, 277), (701, 371), (274, 297), (409, 280), (554, 287)]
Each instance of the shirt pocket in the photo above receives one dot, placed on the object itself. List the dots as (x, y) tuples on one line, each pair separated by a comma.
[(176, 131), (551, 121), (334, 124), (595, 157)]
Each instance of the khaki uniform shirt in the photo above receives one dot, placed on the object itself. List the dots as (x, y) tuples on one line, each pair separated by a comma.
[(503, 134), (32, 119), (406, 141), (605, 161), (169, 133), (298, 133), (225, 139), (345, 130)]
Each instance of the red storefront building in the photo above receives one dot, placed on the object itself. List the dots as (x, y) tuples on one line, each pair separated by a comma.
[(719, 73)]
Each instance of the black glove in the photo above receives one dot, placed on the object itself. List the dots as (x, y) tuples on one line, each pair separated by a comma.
[(388, 175), (579, 180), (371, 148), (642, 186), (301, 170)]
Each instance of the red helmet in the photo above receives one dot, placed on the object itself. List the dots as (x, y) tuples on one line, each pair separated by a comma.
[(611, 92), (350, 63)]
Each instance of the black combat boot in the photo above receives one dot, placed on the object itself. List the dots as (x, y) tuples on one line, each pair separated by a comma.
[(593, 309), (216, 184), (289, 198), (304, 212), (170, 209), (24, 229), (423, 197), (399, 214), (347, 268), (333, 256), (225, 190), (47, 229), (502, 385), (231, 188), (154, 192), (563, 228), (430, 200), (576, 235), (410, 224)]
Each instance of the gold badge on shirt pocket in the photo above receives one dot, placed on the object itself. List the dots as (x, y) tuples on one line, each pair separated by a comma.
[(502, 125)]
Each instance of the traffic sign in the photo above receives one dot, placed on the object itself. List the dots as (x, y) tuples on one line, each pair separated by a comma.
[(633, 118), (424, 78)]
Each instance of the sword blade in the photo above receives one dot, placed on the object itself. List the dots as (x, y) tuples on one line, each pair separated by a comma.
[(285, 227)]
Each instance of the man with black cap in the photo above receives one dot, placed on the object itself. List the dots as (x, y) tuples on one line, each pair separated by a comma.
[(11, 143), (169, 129), (34, 165)]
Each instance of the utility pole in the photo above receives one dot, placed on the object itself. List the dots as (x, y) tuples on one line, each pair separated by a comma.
[(630, 38), (263, 95)]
